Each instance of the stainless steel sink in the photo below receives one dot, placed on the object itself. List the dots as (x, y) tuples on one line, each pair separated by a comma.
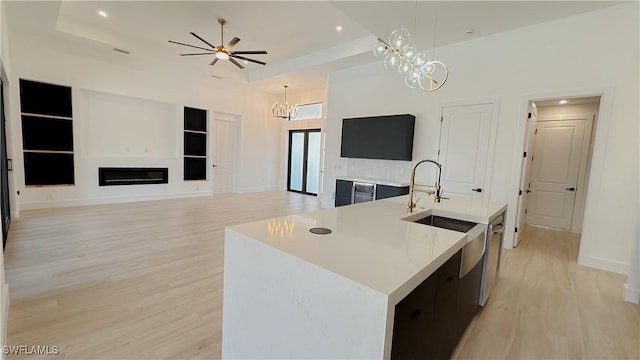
[(473, 251), (446, 223)]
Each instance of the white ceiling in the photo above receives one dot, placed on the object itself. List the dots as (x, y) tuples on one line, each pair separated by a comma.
[(569, 101), (300, 37)]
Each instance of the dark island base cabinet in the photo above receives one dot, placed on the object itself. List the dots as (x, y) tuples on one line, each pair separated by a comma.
[(425, 325)]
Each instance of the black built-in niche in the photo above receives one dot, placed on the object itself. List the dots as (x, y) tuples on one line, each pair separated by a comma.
[(45, 99), (47, 133), (195, 144)]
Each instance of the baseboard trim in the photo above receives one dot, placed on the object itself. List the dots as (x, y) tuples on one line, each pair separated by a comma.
[(257, 189), (605, 264), (110, 200), (5, 313), (631, 295)]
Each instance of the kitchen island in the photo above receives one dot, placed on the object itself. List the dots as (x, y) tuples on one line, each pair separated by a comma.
[(289, 293)]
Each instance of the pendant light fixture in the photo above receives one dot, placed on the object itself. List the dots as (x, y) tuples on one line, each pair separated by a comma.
[(418, 68), (284, 111)]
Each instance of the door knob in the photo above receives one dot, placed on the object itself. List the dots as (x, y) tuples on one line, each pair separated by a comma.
[(477, 190), (571, 189), (214, 165)]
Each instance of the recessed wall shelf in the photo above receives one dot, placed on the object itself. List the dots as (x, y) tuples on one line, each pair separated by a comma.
[(195, 144), (47, 133)]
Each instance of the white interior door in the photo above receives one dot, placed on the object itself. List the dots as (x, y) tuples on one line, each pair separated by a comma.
[(464, 149), (556, 161), (527, 164), (224, 154)]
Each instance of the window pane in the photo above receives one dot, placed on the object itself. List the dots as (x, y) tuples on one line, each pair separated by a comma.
[(297, 159), (313, 162), (309, 111)]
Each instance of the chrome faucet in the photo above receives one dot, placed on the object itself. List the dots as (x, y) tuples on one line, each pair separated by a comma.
[(412, 185)]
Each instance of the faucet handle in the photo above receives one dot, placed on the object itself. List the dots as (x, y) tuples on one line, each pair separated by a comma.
[(413, 204)]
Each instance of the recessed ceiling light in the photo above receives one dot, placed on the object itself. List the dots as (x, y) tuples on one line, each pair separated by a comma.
[(562, 102), (339, 28), (469, 32), (103, 13)]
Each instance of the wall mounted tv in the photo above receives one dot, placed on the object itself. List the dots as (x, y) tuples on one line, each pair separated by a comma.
[(378, 137)]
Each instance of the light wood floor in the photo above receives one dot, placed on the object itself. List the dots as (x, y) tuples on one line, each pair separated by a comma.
[(144, 281)]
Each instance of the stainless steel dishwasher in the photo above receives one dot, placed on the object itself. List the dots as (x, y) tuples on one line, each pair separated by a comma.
[(495, 234)]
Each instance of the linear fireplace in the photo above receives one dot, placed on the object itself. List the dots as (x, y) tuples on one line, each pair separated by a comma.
[(109, 176)]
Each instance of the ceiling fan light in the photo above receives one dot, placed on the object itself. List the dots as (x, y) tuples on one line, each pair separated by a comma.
[(222, 55)]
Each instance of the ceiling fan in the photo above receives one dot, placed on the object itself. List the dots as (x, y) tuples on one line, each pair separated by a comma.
[(222, 52)]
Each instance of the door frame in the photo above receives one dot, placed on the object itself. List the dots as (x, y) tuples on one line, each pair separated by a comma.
[(237, 120), (4, 148), (598, 159), (495, 110), (304, 163), (532, 115)]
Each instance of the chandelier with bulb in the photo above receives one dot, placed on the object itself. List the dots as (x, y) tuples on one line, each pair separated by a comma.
[(284, 111), (418, 68)]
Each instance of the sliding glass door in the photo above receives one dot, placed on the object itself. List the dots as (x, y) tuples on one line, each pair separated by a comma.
[(304, 161)]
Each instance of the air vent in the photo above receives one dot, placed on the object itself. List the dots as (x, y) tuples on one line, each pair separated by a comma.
[(122, 51)]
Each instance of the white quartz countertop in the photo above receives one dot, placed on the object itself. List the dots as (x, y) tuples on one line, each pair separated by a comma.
[(370, 242), (398, 183)]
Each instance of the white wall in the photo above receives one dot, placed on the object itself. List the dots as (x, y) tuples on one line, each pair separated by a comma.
[(560, 56), (133, 82), (579, 111)]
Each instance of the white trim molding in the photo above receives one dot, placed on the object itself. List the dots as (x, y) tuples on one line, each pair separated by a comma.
[(111, 200), (631, 295)]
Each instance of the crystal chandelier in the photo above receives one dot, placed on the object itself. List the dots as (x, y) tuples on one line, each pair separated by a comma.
[(418, 68), (284, 111)]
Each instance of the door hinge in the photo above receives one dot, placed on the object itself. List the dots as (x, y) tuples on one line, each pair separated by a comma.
[(529, 186), (516, 229), (525, 154), (535, 132), (520, 193), (438, 151), (526, 211), (441, 118), (529, 117)]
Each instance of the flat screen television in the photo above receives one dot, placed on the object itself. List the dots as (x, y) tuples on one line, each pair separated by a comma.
[(378, 137)]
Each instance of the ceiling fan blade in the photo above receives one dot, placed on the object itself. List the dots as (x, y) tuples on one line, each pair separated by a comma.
[(201, 39), (215, 60), (193, 46), (207, 53), (236, 63), (250, 52), (252, 60), (233, 41)]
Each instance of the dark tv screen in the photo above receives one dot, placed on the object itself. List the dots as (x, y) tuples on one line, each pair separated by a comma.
[(378, 137)]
